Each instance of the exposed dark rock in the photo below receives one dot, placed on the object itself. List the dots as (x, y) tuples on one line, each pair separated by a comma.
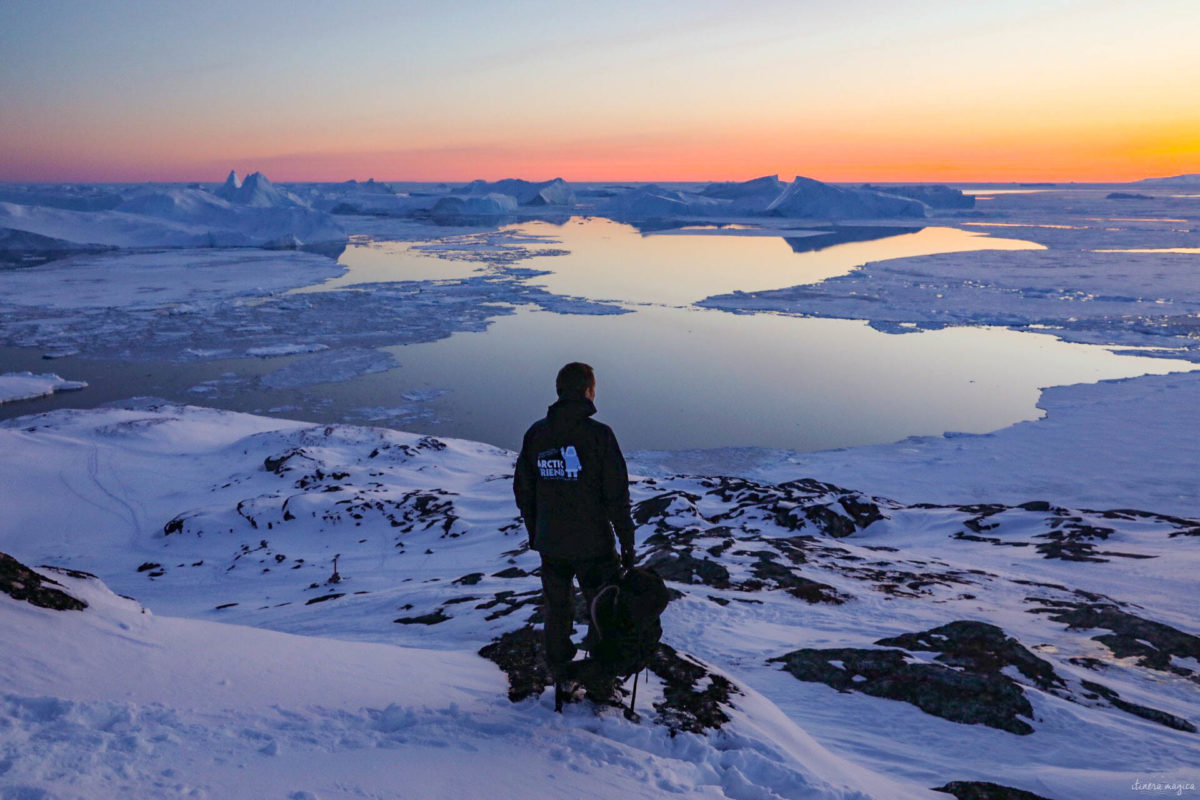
[(957, 695), (1069, 536), (508, 602), (797, 586), (522, 656), (1145, 712), (324, 597), (511, 572), (432, 618), (686, 568), (77, 574), (795, 505), (276, 463), (1184, 527), (21, 583), (669, 503), (685, 707), (980, 648), (469, 579), (1152, 643), (986, 790)]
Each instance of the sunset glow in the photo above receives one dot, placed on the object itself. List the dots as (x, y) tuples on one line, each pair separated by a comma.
[(130, 91)]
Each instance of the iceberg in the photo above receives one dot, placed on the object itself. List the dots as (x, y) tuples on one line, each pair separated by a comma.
[(459, 209), (256, 191), (753, 196), (556, 192), (806, 198), (1189, 179), (655, 202), (935, 196), (253, 213)]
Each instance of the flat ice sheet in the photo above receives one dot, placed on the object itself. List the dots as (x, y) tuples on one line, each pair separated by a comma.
[(16, 386)]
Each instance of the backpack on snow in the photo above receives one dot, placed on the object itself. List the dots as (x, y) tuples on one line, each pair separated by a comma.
[(625, 626)]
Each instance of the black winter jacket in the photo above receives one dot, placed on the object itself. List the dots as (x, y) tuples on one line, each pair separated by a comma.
[(572, 485)]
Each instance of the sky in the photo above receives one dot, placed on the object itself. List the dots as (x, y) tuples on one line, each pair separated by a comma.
[(1014, 90)]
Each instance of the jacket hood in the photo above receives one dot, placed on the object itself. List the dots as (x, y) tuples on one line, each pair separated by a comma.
[(568, 411)]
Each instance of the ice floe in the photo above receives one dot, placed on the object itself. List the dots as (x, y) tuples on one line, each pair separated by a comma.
[(16, 386), (1133, 299)]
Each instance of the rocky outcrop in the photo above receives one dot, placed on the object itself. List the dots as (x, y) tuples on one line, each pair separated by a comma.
[(985, 790), (957, 695), (22, 583), (694, 699), (979, 676), (1154, 644)]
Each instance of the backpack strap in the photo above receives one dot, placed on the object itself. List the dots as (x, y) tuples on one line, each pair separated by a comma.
[(616, 590)]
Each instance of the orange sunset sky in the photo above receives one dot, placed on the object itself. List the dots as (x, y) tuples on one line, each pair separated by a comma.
[(937, 91)]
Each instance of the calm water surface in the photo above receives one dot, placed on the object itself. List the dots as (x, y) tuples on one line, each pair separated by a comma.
[(671, 376)]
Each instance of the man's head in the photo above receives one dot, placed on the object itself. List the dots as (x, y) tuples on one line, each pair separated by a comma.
[(576, 381)]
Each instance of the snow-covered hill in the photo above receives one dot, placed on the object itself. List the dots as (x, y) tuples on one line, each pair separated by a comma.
[(824, 643)]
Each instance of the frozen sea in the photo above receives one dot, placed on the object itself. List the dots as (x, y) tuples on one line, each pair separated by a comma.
[(350, 610), (463, 331)]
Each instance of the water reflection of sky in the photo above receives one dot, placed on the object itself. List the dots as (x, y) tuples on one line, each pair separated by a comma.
[(673, 376), (612, 261)]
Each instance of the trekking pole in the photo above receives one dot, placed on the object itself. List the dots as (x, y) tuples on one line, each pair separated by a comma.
[(630, 714)]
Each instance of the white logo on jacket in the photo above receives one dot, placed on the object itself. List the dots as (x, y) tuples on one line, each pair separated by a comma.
[(559, 465)]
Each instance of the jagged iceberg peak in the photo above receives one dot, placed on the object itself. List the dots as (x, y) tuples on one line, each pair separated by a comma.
[(256, 190)]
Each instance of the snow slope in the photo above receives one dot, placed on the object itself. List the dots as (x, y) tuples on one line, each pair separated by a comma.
[(114, 701), (1081, 621)]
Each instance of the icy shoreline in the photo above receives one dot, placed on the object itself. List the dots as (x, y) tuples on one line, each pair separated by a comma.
[(1124, 443)]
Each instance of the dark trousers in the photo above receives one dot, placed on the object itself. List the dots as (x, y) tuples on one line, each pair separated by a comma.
[(558, 601)]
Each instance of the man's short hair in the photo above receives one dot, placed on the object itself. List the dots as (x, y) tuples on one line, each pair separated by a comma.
[(574, 380)]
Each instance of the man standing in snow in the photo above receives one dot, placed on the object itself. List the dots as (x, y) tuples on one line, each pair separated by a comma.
[(572, 487)]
